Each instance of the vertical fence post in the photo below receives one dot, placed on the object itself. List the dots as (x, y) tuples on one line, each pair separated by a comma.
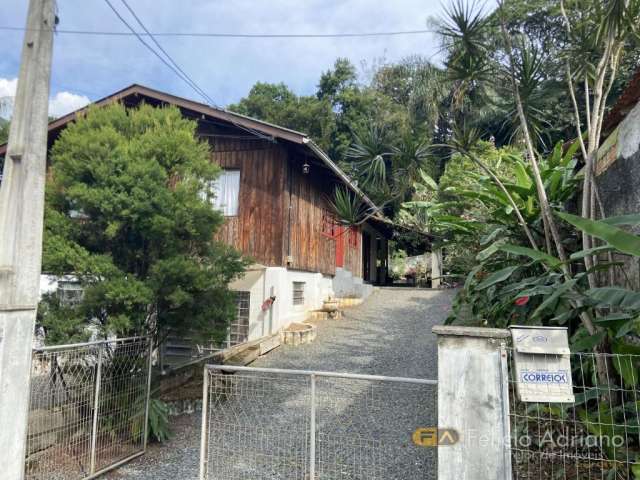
[(148, 395), (96, 406), (473, 400), (312, 430), (205, 418)]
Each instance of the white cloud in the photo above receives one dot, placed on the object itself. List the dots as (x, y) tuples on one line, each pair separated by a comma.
[(7, 92), (8, 87), (60, 104), (66, 102)]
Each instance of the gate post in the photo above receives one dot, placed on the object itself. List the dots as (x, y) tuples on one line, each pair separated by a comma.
[(96, 408), (204, 440), (473, 400), (148, 392), (312, 430)]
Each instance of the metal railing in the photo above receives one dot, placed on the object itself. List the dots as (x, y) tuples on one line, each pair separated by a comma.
[(595, 437), (88, 408), (297, 424)]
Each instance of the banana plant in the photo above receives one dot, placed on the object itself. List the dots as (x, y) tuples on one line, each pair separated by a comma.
[(430, 214)]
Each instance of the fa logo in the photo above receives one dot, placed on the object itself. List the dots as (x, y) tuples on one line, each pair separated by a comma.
[(433, 436)]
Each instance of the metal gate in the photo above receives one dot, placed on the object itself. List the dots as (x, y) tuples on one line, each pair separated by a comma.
[(88, 408), (291, 424)]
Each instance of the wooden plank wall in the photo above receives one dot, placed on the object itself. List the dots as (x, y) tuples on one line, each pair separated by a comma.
[(309, 248), (263, 230), (353, 253), (258, 230)]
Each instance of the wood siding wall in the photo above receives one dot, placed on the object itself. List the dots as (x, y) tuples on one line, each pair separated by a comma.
[(281, 209), (258, 230), (353, 252), (308, 247)]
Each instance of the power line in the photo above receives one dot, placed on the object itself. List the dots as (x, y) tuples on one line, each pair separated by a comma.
[(151, 49), (232, 35), (176, 69), (187, 78)]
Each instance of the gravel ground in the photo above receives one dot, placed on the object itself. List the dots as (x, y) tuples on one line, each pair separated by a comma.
[(390, 334)]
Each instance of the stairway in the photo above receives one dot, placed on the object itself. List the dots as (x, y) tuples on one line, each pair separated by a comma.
[(345, 285)]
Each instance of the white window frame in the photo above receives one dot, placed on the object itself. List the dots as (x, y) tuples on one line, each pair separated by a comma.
[(229, 178)]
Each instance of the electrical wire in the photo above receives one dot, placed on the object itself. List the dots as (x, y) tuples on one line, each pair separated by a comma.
[(173, 66), (187, 78), (149, 47), (232, 35)]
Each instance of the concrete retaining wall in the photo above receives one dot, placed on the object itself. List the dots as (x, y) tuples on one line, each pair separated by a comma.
[(618, 179)]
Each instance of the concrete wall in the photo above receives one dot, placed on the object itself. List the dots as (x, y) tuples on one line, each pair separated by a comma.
[(473, 400), (618, 179), (261, 283), (278, 281)]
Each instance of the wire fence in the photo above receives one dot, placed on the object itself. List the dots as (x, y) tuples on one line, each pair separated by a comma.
[(88, 408), (267, 423), (180, 348), (597, 436)]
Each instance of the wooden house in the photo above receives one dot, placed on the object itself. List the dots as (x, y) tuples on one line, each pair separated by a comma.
[(274, 193)]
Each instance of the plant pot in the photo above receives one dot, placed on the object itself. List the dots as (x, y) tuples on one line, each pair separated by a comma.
[(330, 306)]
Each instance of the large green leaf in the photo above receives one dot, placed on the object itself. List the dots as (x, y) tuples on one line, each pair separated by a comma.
[(497, 277), (587, 342), (623, 241), (522, 192), (490, 237), (626, 364), (428, 181), (615, 297), (551, 299), (522, 176), (489, 251), (590, 251), (631, 219), (536, 255)]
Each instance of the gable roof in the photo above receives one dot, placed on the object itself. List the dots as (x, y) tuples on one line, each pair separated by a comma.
[(255, 126)]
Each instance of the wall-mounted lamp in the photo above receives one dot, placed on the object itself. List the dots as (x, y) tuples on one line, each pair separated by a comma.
[(305, 168)]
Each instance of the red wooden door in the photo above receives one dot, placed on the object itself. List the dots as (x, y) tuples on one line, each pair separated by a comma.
[(340, 239)]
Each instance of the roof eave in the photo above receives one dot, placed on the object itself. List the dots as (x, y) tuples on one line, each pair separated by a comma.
[(343, 176)]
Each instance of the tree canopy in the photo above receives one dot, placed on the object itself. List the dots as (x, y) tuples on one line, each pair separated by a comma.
[(128, 214)]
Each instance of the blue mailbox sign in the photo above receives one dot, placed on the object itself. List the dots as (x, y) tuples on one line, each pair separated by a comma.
[(542, 364)]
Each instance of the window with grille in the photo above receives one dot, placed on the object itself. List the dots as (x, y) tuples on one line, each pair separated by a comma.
[(298, 293), (239, 328), (69, 293)]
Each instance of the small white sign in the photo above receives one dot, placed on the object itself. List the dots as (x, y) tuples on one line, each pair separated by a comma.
[(542, 364)]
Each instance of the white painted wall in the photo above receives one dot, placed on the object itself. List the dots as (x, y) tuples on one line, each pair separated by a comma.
[(262, 282), (629, 133), (278, 281)]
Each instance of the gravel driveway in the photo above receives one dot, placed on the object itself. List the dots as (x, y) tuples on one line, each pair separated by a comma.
[(390, 334)]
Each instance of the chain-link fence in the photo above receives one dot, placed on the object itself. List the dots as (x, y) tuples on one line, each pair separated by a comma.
[(180, 348), (287, 424), (88, 408), (595, 437)]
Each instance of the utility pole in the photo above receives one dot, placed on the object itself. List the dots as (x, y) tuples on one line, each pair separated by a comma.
[(21, 225)]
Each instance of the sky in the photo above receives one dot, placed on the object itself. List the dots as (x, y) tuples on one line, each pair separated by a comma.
[(86, 68)]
